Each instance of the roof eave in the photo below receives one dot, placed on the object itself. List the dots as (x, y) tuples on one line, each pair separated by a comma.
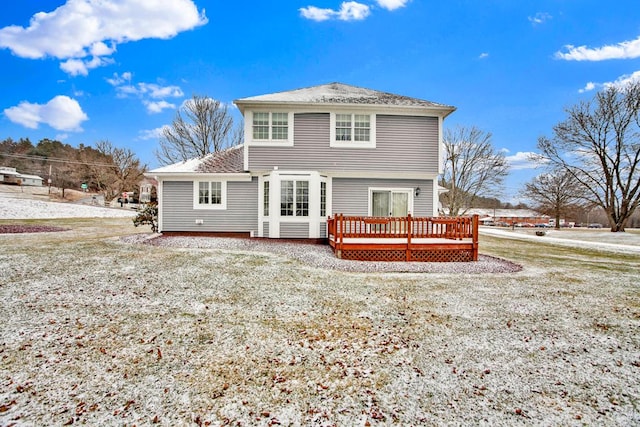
[(186, 176)]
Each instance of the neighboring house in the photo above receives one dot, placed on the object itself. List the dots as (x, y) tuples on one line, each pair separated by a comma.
[(509, 217), (309, 154), (12, 176), (146, 190)]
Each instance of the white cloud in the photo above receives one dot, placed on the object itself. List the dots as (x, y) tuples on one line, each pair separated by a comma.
[(61, 113), (625, 80), (483, 55), (317, 14), (152, 95), (392, 4), (154, 107), (622, 50), (119, 79), (156, 91), (588, 87), (353, 11), (151, 133), (620, 82), (349, 11), (539, 18), (75, 67), (151, 90), (84, 32), (523, 160)]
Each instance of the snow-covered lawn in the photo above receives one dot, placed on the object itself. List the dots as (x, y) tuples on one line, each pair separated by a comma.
[(14, 205), (601, 240), (100, 329)]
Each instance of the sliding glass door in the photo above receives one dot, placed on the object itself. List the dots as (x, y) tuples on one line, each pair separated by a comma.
[(394, 203)]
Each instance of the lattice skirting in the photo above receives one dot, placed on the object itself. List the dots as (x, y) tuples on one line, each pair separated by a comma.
[(388, 255)]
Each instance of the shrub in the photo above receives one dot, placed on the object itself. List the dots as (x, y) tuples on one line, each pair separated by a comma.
[(148, 216)]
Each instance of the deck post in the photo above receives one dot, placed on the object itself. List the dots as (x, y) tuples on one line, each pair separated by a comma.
[(339, 229), (474, 227), (409, 232)]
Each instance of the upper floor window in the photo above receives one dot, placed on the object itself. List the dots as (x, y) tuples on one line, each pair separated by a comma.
[(270, 126), (353, 130), (353, 127)]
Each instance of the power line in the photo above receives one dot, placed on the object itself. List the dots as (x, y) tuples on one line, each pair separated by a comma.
[(55, 159)]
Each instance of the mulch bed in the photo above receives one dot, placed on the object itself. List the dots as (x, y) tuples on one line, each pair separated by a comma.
[(21, 228)]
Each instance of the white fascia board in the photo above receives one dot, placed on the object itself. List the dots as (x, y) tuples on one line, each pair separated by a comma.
[(194, 176)]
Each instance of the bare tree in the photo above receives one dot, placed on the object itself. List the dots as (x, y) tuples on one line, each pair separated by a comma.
[(124, 174), (201, 126), (555, 193), (472, 169), (599, 145)]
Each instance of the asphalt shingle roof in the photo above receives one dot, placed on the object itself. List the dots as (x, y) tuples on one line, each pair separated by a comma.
[(230, 160), (339, 93)]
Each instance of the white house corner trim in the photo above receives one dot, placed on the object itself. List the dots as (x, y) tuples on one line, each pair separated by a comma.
[(440, 145), (160, 206), (436, 198)]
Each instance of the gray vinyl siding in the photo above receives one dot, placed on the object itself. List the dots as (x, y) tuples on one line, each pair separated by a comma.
[(294, 230), (241, 214), (406, 143), (323, 230), (265, 229), (351, 195)]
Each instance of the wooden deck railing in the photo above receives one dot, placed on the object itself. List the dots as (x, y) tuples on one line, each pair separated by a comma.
[(409, 228)]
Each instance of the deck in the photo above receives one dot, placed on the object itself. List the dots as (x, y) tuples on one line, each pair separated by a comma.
[(427, 239)]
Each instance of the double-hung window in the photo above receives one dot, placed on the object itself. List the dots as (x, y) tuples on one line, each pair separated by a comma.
[(210, 195), (353, 130), (294, 198), (353, 127), (271, 127)]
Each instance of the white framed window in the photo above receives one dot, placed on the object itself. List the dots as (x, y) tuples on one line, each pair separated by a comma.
[(210, 195), (271, 128), (323, 199), (353, 130), (265, 199), (294, 198)]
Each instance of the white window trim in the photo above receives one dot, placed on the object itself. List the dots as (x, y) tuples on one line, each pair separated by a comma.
[(353, 144), (275, 220), (409, 191), (248, 130), (196, 195)]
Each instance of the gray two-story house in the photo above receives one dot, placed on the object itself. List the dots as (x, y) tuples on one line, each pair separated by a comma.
[(308, 154)]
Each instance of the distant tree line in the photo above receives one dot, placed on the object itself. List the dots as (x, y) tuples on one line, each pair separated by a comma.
[(593, 158), (105, 168)]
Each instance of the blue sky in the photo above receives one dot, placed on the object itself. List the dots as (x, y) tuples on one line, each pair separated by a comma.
[(87, 70)]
